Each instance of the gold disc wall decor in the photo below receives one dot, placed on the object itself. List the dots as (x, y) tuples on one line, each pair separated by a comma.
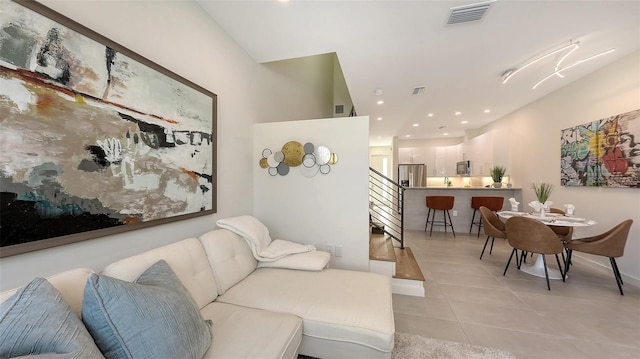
[(264, 163), (293, 152)]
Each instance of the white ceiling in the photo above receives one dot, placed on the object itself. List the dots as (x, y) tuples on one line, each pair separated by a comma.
[(398, 45)]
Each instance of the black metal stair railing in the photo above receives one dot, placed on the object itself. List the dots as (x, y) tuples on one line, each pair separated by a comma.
[(386, 204)]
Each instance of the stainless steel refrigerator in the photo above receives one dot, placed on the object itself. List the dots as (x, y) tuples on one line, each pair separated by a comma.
[(412, 175)]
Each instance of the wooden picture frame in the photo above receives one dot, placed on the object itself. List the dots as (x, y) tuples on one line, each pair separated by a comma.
[(95, 139)]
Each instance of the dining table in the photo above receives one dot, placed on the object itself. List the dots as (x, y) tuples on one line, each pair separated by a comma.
[(550, 219)]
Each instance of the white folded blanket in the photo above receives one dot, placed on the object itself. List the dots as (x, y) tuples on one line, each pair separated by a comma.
[(257, 237)]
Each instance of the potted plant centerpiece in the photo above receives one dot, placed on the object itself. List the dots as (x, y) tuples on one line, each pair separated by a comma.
[(497, 172), (543, 191)]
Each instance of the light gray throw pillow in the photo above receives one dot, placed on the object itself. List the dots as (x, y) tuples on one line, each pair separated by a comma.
[(154, 317), (38, 323)]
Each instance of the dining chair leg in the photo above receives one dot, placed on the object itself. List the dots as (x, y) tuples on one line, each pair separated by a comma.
[(616, 272), (560, 267), (491, 249), (509, 261), (523, 257), (567, 264), (444, 216), (485, 247), (546, 272)]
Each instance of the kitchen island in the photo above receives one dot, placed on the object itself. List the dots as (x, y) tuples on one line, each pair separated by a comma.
[(415, 209)]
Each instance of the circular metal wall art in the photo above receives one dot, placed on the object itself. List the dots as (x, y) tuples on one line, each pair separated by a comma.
[(293, 152), (309, 160), (283, 169), (264, 163), (309, 147), (309, 171), (323, 155), (271, 160)]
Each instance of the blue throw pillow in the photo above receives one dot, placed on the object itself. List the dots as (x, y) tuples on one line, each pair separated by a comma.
[(154, 317), (36, 321)]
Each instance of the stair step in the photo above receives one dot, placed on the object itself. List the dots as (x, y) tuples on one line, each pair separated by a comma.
[(381, 248), (406, 265)]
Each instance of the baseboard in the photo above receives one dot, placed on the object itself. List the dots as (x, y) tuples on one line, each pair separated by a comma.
[(627, 279), (414, 288)]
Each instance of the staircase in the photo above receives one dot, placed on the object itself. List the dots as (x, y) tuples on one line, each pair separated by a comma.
[(397, 263), (387, 252)]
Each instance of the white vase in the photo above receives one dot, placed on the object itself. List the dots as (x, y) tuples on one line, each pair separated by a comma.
[(497, 184), (543, 213)]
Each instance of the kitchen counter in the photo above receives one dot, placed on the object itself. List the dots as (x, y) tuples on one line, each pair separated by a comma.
[(415, 209), (465, 188)]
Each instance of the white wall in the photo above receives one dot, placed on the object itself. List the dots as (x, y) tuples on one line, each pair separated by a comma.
[(325, 209), (181, 37), (534, 134), (298, 89)]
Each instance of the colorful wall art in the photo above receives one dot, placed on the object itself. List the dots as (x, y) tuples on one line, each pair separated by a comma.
[(308, 158), (603, 153), (94, 138)]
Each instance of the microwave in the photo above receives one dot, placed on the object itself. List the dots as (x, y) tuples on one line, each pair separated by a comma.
[(463, 168)]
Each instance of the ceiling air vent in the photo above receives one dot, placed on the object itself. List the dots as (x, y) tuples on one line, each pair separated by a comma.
[(466, 13), (418, 90)]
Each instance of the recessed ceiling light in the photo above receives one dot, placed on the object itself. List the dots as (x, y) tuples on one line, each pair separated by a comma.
[(379, 118), (380, 102), (487, 111), (430, 115), (379, 137), (407, 135), (446, 134), (458, 113), (416, 124), (464, 122)]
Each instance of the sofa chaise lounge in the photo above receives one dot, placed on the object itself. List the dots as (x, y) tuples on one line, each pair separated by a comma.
[(257, 310)]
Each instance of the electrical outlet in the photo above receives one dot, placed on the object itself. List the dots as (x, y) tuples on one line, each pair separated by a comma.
[(455, 213), (338, 251), (331, 249)]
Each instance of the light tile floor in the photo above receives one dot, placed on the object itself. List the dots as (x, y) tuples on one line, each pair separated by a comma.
[(469, 300)]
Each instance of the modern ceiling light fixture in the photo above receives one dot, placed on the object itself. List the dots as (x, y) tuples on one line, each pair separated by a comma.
[(511, 72), (558, 70)]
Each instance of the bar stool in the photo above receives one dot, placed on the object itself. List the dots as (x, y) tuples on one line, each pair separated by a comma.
[(493, 203), (440, 203)]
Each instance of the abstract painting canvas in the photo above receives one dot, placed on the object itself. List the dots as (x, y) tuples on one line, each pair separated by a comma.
[(94, 138), (603, 153)]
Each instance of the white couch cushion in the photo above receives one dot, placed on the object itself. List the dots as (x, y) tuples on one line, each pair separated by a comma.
[(229, 257), (341, 305), (240, 332), (186, 258), (69, 283)]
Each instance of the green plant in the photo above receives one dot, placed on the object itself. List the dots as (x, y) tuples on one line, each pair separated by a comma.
[(543, 191), (497, 172)]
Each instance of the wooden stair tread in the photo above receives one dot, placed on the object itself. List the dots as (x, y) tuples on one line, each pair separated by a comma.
[(381, 248), (406, 265)]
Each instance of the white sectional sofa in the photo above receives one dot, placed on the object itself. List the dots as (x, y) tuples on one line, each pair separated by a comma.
[(259, 312)]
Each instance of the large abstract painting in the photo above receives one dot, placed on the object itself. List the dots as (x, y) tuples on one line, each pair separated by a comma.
[(94, 138), (603, 153)]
